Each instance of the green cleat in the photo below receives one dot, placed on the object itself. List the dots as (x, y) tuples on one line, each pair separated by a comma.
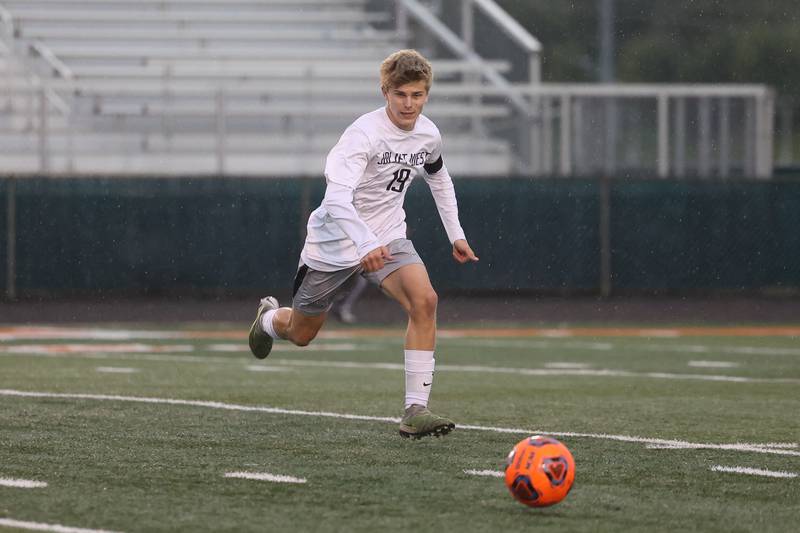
[(419, 422), (260, 342)]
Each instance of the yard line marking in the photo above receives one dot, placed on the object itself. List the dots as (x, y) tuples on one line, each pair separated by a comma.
[(713, 364), (454, 368), (542, 371), (276, 478), (116, 370), (753, 471), (97, 348), (45, 332), (533, 344), (267, 368), (162, 358), (21, 483), (740, 447), (567, 365), (318, 347), (486, 473), (699, 348), (57, 528)]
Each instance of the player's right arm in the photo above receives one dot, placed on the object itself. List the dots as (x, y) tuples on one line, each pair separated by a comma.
[(344, 168)]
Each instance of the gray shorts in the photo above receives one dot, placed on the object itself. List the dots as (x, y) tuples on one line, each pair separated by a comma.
[(314, 291)]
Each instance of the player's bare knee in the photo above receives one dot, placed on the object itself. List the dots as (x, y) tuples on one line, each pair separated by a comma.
[(302, 338), (424, 305)]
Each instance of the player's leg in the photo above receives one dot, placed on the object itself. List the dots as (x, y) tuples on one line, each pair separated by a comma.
[(298, 328), (311, 299), (411, 287)]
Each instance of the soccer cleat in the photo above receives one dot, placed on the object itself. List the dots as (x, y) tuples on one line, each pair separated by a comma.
[(419, 422), (260, 341)]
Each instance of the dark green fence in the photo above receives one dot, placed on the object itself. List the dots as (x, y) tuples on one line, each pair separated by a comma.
[(229, 236)]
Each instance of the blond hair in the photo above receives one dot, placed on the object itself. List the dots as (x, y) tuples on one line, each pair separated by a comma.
[(405, 66)]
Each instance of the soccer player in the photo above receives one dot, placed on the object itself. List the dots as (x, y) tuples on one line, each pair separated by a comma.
[(360, 229)]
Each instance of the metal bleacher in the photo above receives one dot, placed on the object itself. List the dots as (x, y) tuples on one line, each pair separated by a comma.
[(215, 87)]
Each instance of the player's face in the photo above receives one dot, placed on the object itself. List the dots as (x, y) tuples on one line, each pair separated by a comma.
[(405, 103)]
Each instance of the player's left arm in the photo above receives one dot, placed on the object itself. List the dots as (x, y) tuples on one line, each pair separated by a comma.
[(444, 194)]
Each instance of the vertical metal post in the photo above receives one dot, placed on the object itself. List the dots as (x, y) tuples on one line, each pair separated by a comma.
[(663, 135), (221, 131), (534, 68), (750, 135), (468, 23), (605, 236), (765, 106), (611, 120), (471, 78), (44, 150), (401, 19), (535, 122), (565, 147), (9, 77), (704, 126), (580, 155), (11, 239), (786, 156), (725, 136), (680, 136), (606, 38), (547, 135)]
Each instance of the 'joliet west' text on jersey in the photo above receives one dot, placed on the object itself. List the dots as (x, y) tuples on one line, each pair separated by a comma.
[(368, 173)]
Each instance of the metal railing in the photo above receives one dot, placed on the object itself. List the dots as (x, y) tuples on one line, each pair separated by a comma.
[(39, 86), (730, 131)]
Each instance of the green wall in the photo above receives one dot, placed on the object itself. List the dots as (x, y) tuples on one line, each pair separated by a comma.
[(231, 236)]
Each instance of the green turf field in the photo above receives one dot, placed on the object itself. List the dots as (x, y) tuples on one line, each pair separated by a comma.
[(136, 429)]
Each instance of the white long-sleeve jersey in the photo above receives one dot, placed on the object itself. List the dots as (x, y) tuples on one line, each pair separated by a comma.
[(368, 173)]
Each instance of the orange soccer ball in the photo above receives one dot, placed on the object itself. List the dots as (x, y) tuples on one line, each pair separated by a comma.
[(539, 471)]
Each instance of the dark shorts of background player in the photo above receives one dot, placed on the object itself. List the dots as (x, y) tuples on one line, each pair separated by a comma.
[(314, 291)]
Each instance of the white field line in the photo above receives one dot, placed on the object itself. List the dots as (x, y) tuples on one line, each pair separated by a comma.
[(116, 370), (534, 344), (453, 368), (753, 471), (38, 526), (564, 364), (267, 368), (285, 347), (713, 364), (69, 349), (45, 332), (739, 447), (40, 349), (485, 473), (21, 483), (542, 371), (257, 476), (695, 446)]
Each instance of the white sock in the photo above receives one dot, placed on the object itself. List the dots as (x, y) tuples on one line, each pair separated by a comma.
[(266, 323), (419, 376)]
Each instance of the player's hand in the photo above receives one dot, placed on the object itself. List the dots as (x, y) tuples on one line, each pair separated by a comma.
[(373, 261), (463, 253)]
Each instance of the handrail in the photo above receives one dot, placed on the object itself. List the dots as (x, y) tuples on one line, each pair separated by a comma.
[(8, 22), (46, 53), (508, 24), (425, 17)]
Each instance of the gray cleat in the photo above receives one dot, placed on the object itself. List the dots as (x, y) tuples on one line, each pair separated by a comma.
[(260, 341), (419, 422)]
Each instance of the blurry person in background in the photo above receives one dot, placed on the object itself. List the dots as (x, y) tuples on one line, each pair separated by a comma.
[(343, 306)]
